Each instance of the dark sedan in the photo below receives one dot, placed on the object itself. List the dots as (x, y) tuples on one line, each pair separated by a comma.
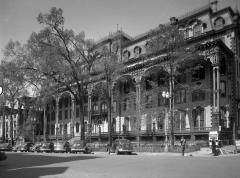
[(26, 147), (5, 147), (47, 147), (121, 146), (80, 146)]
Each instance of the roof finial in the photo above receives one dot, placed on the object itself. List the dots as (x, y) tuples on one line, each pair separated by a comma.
[(213, 5)]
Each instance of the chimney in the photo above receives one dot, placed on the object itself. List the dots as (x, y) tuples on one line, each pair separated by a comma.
[(173, 20), (214, 5)]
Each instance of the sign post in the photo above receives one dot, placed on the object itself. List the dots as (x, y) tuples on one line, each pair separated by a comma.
[(211, 135)]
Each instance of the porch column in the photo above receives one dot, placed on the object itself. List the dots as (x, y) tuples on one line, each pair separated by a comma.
[(138, 80), (216, 89), (90, 89), (73, 115)]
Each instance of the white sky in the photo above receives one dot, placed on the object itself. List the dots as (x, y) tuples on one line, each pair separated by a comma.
[(96, 17)]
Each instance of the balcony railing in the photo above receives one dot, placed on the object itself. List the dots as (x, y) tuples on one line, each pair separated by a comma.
[(156, 132)]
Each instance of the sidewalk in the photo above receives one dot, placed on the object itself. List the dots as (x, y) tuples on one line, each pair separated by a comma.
[(203, 152)]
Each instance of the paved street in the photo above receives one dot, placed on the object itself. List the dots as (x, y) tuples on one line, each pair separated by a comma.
[(101, 165)]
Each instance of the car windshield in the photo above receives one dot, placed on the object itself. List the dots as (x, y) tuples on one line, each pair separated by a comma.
[(45, 144)]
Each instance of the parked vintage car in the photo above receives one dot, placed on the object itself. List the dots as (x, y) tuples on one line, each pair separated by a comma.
[(5, 147), (61, 147), (36, 147), (46, 147), (80, 146), (3, 156), (16, 147), (26, 147), (121, 146)]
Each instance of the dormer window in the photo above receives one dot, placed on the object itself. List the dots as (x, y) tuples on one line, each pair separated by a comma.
[(219, 22), (197, 30), (137, 51), (126, 54), (188, 33)]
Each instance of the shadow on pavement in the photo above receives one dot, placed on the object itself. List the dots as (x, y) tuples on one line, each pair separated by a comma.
[(32, 172), (24, 165)]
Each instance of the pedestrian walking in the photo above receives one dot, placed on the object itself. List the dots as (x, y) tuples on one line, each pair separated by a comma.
[(183, 145), (213, 146)]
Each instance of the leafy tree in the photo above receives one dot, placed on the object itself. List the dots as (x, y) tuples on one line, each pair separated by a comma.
[(110, 67), (62, 57), (169, 40), (12, 79)]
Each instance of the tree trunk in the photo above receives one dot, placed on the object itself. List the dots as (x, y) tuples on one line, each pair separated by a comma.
[(44, 123), (11, 125), (81, 112)]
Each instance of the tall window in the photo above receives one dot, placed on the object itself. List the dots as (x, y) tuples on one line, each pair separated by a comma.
[(125, 104), (198, 95), (77, 112), (66, 114), (114, 106), (198, 73), (149, 101), (180, 96), (66, 102), (223, 88), (126, 87), (60, 115), (198, 117), (95, 108), (104, 107), (77, 127)]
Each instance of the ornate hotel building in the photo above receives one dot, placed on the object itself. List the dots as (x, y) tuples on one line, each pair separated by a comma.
[(210, 102)]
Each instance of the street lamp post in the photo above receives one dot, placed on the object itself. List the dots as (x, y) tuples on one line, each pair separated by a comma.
[(165, 95)]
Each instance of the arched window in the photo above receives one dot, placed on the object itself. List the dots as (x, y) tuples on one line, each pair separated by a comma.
[(137, 51), (95, 108), (219, 22), (198, 117), (126, 54), (77, 127), (197, 30), (104, 107)]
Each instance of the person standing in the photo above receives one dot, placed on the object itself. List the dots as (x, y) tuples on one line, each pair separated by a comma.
[(213, 146), (183, 145)]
